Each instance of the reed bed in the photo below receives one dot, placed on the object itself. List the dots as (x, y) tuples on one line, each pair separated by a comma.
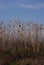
[(22, 39)]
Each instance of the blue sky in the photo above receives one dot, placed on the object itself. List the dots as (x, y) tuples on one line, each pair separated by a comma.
[(24, 10)]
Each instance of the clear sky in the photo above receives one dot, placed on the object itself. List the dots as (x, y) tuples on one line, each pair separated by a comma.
[(24, 10)]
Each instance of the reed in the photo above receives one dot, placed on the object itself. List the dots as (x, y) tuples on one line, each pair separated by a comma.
[(22, 39)]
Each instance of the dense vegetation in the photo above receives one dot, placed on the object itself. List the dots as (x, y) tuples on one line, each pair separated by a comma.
[(21, 43)]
